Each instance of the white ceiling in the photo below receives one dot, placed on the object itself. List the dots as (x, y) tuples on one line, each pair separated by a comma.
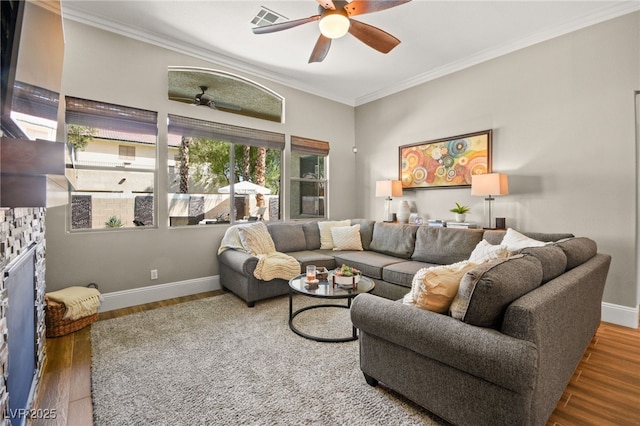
[(438, 37)]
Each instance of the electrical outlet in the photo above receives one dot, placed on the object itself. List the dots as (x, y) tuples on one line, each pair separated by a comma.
[(154, 274)]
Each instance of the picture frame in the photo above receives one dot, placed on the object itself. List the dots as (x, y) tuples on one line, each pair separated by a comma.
[(445, 163)]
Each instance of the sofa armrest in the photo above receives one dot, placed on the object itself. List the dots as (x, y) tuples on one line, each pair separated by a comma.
[(243, 263), (481, 352)]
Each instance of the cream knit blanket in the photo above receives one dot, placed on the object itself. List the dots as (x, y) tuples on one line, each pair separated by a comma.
[(78, 301), (255, 239), (276, 265)]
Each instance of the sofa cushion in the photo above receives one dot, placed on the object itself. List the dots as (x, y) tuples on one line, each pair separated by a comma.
[(445, 246), (369, 262), (485, 251), (402, 273), (487, 290), (552, 259), (578, 250), (317, 258), (394, 240), (256, 239), (312, 235), (435, 288), (346, 237), (287, 236), (366, 231), (326, 241)]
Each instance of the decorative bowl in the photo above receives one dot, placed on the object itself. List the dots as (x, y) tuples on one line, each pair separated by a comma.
[(341, 280), (345, 276)]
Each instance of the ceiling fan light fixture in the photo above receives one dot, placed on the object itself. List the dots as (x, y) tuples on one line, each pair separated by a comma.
[(334, 25)]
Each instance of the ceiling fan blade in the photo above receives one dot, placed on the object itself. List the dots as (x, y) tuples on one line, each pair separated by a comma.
[(321, 49), (265, 29), (327, 4), (373, 37), (224, 105), (359, 7)]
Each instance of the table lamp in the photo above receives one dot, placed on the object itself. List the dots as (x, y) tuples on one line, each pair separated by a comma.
[(388, 188), (489, 184)]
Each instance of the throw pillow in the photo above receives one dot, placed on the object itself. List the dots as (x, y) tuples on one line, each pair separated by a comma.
[(326, 240), (485, 251), (516, 241), (346, 237), (435, 288), (256, 238), (439, 287)]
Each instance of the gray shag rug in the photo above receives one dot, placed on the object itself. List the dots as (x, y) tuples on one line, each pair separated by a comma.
[(215, 361)]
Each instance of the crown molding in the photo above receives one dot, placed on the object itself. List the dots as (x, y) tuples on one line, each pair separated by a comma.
[(605, 14), (197, 52)]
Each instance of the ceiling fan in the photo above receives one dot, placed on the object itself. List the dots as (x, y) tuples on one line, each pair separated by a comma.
[(335, 21), (205, 99)]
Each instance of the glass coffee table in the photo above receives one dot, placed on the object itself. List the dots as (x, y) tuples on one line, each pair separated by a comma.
[(324, 290)]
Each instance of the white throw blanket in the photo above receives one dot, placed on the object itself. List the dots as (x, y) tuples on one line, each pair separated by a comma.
[(79, 301), (255, 239)]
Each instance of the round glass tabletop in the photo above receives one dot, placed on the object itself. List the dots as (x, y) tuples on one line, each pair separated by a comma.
[(325, 289)]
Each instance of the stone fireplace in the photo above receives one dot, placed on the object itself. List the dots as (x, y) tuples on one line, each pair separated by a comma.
[(22, 251)]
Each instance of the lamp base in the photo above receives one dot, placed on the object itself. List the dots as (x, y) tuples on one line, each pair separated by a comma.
[(488, 223), (387, 210)]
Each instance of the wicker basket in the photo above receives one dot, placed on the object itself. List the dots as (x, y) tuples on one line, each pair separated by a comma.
[(56, 326)]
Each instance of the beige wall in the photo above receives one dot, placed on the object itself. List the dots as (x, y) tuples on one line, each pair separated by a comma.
[(562, 114), (563, 119), (111, 68)]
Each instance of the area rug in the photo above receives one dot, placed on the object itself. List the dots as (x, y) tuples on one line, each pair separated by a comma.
[(215, 361)]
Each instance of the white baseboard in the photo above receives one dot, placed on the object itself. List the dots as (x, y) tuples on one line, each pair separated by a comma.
[(620, 315), (155, 293)]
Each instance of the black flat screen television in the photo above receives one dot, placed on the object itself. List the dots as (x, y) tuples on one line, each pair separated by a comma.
[(12, 14)]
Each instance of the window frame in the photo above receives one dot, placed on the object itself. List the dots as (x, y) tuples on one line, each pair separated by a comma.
[(123, 126), (233, 136), (307, 146)]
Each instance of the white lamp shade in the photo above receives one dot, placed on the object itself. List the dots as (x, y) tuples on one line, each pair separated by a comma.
[(334, 26), (489, 184), (388, 188)]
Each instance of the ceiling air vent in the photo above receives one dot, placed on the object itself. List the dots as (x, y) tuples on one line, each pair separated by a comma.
[(267, 17)]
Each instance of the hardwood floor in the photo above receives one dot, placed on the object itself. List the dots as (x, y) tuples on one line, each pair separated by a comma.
[(604, 390)]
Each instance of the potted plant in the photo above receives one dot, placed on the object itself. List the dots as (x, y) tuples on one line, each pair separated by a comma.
[(114, 222), (460, 211)]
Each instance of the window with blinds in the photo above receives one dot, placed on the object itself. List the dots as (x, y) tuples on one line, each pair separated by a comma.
[(308, 178), (113, 164), (220, 173), (35, 111)]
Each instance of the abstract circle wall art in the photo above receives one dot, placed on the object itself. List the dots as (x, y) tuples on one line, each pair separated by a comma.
[(445, 163)]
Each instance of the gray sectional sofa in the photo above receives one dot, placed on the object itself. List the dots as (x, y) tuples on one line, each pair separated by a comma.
[(509, 359), (504, 358), (392, 254)]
